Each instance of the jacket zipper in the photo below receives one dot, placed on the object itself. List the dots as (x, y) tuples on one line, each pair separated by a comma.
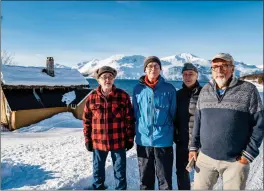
[(153, 112), (222, 96)]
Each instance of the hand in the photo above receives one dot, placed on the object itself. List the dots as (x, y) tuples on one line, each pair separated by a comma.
[(129, 145), (242, 160), (192, 154), (89, 146)]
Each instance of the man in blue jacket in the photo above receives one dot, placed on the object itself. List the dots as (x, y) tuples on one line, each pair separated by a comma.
[(228, 128), (154, 102)]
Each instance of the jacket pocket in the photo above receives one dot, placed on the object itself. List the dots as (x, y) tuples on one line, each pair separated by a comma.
[(162, 117), (97, 110), (143, 127), (163, 132)]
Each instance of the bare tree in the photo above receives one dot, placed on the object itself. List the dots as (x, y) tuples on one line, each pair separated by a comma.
[(7, 58)]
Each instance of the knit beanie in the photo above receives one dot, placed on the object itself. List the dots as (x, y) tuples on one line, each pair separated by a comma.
[(189, 66), (151, 59)]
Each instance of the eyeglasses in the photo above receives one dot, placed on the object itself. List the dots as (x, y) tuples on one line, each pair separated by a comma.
[(153, 67), (222, 67), (107, 77)]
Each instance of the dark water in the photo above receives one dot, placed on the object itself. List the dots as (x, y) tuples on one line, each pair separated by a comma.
[(128, 85)]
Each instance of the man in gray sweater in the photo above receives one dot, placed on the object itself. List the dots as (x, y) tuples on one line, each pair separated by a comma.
[(228, 128)]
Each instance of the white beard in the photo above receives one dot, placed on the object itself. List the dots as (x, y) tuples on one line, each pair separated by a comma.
[(221, 81)]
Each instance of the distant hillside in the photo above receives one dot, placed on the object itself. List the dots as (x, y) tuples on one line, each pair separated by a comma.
[(259, 78)]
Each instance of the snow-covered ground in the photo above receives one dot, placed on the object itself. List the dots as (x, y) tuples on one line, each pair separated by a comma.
[(258, 86), (51, 155)]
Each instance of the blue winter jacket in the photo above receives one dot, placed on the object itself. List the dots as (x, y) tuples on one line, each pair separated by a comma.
[(155, 111)]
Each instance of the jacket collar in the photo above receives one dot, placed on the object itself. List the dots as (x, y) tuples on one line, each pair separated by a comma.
[(196, 85), (142, 80), (193, 90), (99, 90)]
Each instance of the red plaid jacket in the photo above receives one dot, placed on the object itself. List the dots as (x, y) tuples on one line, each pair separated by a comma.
[(108, 122)]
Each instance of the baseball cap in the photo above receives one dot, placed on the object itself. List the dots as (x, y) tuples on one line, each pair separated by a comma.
[(224, 56)]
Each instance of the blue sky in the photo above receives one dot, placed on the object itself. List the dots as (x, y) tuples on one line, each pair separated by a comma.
[(72, 32)]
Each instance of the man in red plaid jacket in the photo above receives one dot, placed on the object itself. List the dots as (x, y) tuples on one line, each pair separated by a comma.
[(108, 120)]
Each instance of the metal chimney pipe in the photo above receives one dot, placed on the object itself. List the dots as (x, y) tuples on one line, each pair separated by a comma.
[(50, 66)]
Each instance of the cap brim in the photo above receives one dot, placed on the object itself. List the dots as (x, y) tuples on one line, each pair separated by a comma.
[(222, 58)]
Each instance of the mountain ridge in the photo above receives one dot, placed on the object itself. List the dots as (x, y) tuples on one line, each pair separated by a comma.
[(131, 66)]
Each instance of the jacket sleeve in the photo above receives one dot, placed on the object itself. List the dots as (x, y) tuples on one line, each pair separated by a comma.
[(130, 120), (87, 122), (173, 106), (135, 105), (195, 142), (173, 113), (257, 126)]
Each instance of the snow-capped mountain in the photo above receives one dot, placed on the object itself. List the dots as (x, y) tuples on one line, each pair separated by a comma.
[(242, 69), (81, 64), (128, 67), (131, 67), (180, 59), (56, 65), (172, 71), (260, 66)]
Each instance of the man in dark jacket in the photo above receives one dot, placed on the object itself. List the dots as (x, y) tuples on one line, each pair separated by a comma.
[(186, 101)]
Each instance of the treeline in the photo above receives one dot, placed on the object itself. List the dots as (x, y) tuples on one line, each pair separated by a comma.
[(259, 78)]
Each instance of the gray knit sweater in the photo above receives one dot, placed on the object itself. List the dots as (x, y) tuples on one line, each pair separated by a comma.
[(231, 125)]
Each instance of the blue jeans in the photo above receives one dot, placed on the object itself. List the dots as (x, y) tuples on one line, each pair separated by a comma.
[(119, 164)]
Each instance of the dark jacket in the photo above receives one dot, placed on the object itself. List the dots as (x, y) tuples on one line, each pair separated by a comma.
[(186, 105)]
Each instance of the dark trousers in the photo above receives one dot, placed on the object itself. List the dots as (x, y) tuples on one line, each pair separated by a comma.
[(153, 161), (119, 166), (183, 178)]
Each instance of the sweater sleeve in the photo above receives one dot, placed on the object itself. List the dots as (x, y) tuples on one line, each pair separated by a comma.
[(195, 142), (173, 105), (256, 126)]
